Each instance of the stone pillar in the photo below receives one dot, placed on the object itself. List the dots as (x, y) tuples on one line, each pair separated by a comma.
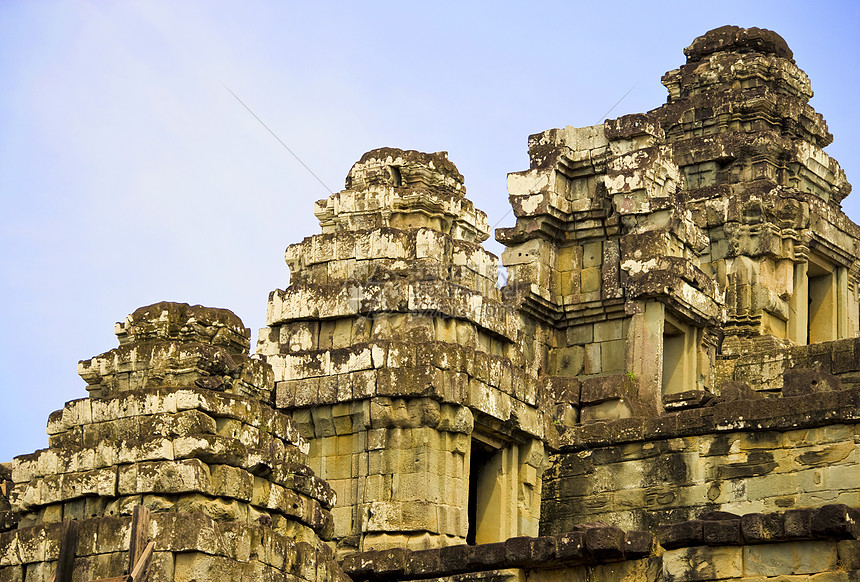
[(645, 350), (798, 322)]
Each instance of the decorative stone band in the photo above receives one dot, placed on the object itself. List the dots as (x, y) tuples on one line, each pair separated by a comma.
[(796, 541), (161, 363), (592, 545), (442, 372), (720, 528), (85, 411), (421, 253), (394, 360), (440, 299), (760, 105), (787, 413), (799, 542)]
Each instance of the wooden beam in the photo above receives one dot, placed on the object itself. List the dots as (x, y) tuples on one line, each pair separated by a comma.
[(139, 535), (138, 573), (68, 547), (139, 552)]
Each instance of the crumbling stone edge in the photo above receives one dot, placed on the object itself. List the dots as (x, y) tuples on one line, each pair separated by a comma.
[(600, 544), (591, 545), (720, 528), (786, 413)]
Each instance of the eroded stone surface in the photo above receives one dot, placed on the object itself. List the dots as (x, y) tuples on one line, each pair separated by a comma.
[(175, 344), (397, 357), (667, 388), (179, 419)]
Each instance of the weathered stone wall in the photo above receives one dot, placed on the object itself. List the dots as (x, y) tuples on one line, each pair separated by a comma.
[(781, 433), (793, 371), (397, 465), (8, 517), (796, 561), (397, 452), (179, 420), (189, 546), (740, 456), (799, 544)]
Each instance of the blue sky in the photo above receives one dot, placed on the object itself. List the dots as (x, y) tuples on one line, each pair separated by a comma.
[(130, 175)]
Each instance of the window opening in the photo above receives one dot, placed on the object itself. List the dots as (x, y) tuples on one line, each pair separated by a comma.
[(674, 360), (821, 320), (478, 464), (491, 489)]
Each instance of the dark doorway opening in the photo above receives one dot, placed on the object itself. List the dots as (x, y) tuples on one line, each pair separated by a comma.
[(478, 462)]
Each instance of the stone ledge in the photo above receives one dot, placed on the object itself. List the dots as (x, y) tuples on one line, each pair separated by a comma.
[(389, 246), (384, 355), (787, 413), (169, 400), (718, 528), (352, 299), (591, 545), (286, 468), (195, 536)]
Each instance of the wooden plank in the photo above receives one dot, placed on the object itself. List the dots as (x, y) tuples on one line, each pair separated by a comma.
[(68, 547), (139, 535), (138, 573), (123, 578)]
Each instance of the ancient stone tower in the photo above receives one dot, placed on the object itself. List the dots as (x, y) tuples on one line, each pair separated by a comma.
[(179, 420), (654, 245), (667, 388), (402, 366)]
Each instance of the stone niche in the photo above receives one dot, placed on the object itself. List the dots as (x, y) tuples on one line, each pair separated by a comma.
[(397, 358)]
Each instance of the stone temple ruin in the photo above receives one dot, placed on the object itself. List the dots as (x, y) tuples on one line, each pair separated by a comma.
[(667, 388)]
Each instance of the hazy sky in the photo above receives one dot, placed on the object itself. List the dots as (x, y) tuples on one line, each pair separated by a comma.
[(130, 175)]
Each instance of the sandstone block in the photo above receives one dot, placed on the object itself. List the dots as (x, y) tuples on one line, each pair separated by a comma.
[(193, 566), (99, 482), (848, 552), (232, 482), (194, 532), (190, 475), (790, 558), (703, 563), (12, 573)]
